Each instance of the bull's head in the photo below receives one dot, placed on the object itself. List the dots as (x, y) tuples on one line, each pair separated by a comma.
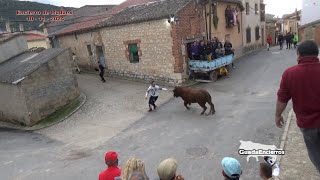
[(176, 92)]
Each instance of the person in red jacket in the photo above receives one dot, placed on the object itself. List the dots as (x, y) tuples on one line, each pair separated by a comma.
[(112, 172), (301, 83), (269, 41)]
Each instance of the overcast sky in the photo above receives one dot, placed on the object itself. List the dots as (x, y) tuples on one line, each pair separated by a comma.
[(276, 7)]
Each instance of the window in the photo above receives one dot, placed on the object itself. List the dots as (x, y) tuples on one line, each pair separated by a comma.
[(256, 8), (257, 33), (248, 34), (133, 53), (89, 50), (247, 8)]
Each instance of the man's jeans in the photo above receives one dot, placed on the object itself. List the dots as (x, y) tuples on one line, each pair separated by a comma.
[(312, 139)]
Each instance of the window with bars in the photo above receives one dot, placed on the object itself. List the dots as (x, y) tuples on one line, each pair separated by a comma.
[(248, 34), (257, 33), (247, 8), (256, 8)]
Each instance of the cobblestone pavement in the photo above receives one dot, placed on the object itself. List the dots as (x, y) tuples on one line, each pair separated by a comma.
[(295, 164), (110, 108)]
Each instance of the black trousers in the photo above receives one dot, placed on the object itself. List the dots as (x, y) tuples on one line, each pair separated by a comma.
[(152, 101), (101, 75)]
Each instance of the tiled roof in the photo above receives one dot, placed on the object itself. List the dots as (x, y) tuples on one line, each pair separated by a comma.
[(90, 22), (34, 37), (24, 64), (146, 12), (129, 3), (4, 37), (86, 23)]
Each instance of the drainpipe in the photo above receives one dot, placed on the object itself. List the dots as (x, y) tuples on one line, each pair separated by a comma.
[(210, 19), (205, 16)]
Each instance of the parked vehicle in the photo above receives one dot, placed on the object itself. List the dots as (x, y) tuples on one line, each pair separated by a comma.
[(211, 69)]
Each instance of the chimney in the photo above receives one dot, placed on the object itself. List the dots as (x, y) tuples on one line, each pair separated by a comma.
[(8, 26), (21, 27)]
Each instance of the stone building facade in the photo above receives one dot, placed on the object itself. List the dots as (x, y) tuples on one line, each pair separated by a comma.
[(222, 31), (253, 25), (84, 45), (310, 31), (162, 46), (33, 85), (291, 22)]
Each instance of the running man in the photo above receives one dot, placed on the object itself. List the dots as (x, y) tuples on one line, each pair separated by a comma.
[(153, 91)]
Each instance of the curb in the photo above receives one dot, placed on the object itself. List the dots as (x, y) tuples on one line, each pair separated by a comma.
[(16, 127), (285, 133)]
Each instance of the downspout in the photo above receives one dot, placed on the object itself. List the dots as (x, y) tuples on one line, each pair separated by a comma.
[(210, 19), (205, 16), (241, 24)]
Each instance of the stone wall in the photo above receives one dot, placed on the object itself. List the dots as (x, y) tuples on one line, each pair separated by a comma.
[(155, 44), (38, 43), (78, 45), (311, 31), (12, 105), (50, 87), (12, 48)]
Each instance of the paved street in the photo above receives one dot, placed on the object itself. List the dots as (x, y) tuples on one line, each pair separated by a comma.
[(114, 117)]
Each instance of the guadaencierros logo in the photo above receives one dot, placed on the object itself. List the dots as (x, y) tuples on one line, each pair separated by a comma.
[(255, 150)]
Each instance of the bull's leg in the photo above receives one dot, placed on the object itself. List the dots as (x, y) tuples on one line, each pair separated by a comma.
[(212, 110), (203, 105), (186, 105)]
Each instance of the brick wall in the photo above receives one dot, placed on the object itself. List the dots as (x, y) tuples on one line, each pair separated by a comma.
[(190, 24), (155, 44), (50, 87), (78, 45)]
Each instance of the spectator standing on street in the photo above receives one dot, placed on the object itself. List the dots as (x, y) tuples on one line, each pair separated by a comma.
[(101, 69), (112, 172), (269, 41), (295, 40), (133, 165), (301, 83), (167, 170), (289, 40), (281, 40), (75, 62), (231, 168), (153, 91)]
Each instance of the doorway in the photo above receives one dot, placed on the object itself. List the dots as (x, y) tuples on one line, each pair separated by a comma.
[(100, 56)]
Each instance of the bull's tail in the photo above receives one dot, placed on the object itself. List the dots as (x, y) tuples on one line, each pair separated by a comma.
[(209, 101)]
